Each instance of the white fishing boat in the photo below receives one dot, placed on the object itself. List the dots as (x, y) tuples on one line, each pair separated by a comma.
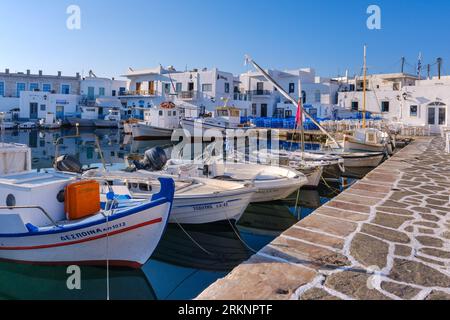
[(111, 120), (8, 125), (271, 183), (312, 165), (48, 218), (27, 125), (159, 122), (196, 200), (50, 122), (128, 124), (226, 118)]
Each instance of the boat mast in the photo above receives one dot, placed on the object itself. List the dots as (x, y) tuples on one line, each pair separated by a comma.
[(292, 100), (364, 86)]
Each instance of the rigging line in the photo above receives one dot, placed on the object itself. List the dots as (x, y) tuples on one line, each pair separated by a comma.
[(181, 282), (192, 239), (240, 238)]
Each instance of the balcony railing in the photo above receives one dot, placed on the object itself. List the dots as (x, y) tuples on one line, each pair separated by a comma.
[(187, 95), (259, 92), (241, 96), (149, 93)]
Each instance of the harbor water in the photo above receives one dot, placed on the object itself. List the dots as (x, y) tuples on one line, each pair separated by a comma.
[(189, 257)]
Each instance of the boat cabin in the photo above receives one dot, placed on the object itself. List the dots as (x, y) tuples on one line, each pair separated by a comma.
[(167, 115), (231, 115)]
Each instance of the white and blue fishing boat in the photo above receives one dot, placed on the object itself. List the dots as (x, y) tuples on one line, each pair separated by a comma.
[(35, 228), (57, 218)]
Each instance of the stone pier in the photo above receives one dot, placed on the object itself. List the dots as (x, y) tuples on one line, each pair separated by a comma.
[(386, 237)]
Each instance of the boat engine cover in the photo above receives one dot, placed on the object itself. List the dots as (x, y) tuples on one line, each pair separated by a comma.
[(154, 159), (68, 163)]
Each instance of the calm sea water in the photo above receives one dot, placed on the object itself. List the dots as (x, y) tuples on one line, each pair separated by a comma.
[(180, 268)]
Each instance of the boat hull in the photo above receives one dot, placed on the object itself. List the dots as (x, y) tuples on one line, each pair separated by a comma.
[(200, 129), (80, 122), (106, 124), (131, 240), (352, 144), (143, 132), (313, 175), (208, 209)]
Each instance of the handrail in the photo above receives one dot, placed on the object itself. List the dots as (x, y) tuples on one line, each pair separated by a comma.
[(31, 207)]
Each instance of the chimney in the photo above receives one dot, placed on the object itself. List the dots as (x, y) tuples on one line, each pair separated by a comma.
[(113, 79), (7, 71), (28, 72), (40, 73), (78, 75), (59, 73)]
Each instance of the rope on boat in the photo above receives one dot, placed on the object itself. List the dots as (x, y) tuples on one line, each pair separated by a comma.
[(193, 240), (236, 232), (334, 190)]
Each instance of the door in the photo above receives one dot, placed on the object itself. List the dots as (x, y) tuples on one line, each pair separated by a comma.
[(436, 116), (263, 110), (91, 93), (151, 88), (59, 112), (33, 110), (190, 86)]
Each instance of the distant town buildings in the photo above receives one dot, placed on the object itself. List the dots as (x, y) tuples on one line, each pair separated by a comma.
[(399, 97)]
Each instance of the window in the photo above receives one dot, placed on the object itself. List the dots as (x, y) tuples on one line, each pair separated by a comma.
[(259, 87), (254, 109), (34, 86), (101, 92), (227, 87), (2, 89), (317, 96), (167, 88), (441, 116), (47, 87), (291, 87), (385, 106), (114, 93), (355, 106), (65, 89), (288, 113), (160, 112), (413, 111), (174, 113), (179, 87), (396, 86), (206, 87), (122, 91), (42, 107), (20, 88)]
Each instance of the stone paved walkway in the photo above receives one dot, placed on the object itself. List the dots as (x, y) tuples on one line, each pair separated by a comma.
[(387, 237)]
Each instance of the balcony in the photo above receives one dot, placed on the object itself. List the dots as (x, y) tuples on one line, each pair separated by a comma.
[(187, 95), (259, 93), (241, 96), (145, 93)]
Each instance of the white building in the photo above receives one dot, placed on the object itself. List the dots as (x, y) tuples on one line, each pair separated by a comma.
[(204, 88), (35, 105), (12, 85), (320, 93), (402, 98)]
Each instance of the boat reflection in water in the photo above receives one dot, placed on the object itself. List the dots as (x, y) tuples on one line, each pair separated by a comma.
[(32, 282)]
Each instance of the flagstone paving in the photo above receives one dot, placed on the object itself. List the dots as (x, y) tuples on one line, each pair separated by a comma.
[(387, 237)]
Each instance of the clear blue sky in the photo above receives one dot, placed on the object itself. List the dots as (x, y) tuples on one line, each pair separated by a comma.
[(325, 34)]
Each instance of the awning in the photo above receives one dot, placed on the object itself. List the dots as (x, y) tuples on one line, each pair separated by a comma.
[(108, 103)]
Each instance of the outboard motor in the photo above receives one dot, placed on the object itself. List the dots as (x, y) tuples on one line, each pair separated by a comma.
[(154, 160), (68, 163)]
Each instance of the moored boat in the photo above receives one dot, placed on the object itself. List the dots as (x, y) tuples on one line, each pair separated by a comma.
[(43, 222), (196, 200)]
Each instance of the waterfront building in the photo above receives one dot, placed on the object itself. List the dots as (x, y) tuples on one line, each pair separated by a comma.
[(41, 93), (207, 89), (318, 93), (402, 98)]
